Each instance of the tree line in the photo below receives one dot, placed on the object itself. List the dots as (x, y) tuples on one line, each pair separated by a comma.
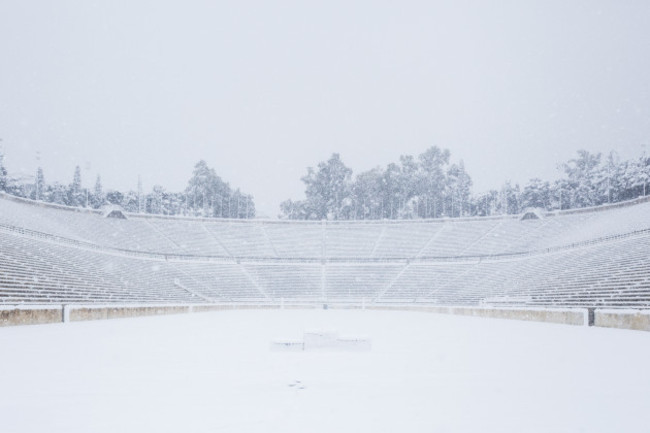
[(206, 195), (431, 186), (427, 186)]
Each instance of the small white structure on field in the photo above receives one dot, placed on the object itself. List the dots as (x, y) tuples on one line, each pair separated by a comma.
[(323, 340), (287, 346), (317, 339), (353, 344)]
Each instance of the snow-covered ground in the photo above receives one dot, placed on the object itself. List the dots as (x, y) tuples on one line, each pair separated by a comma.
[(214, 372)]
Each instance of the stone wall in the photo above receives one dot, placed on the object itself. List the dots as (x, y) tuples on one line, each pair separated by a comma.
[(626, 319), (79, 313), (563, 316), (30, 315)]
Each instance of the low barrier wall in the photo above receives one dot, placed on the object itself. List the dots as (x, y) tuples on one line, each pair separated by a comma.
[(626, 319), (42, 314), (563, 316), (31, 315), (73, 313)]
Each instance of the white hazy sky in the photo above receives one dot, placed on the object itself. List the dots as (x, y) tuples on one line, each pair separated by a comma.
[(262, 90)]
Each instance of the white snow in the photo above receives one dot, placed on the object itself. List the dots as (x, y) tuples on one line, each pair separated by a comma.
[(323, 340), (214, 372)]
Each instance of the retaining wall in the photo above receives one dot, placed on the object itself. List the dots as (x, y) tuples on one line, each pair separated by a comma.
[(563, 316), (32, 315), (41, 314), (626, 319), (79, 313)]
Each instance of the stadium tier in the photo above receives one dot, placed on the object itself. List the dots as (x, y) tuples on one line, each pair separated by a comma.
[(592, 257)]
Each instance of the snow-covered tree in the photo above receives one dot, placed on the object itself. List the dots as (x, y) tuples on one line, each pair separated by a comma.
[(457, 190), (536, 194), (327, 188), (425, 187), (432, 183), (637, 178), (391, 191), (98, 199), (582, 173), (76, 195), (155, 200), (3, 173), (130, 201), (116, 198), (39, 185), (511, 199), (59, 194), (366, 194), (295, 210), (207, 194)]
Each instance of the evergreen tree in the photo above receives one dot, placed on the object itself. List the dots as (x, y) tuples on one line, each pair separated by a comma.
[(39, 185), (3, 173), (75, 193), (116, 198), (131, 201), (140, 206), (59, 194), (98, 197)]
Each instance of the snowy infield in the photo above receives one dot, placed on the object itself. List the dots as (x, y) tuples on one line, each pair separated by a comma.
[(214, 372)]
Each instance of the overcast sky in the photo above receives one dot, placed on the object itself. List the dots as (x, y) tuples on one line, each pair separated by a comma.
[(262, 90)]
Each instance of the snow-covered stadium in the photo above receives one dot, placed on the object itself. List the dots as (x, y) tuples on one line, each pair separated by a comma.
[(269, 279), (587, 258)]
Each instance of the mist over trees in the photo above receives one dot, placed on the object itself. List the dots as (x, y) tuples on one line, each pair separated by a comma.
[(206, 195), (431, 186)]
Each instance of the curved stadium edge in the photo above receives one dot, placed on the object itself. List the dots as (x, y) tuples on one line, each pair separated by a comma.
[(45, 314)]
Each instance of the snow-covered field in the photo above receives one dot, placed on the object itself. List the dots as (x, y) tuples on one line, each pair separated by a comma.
[(214, 372)]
